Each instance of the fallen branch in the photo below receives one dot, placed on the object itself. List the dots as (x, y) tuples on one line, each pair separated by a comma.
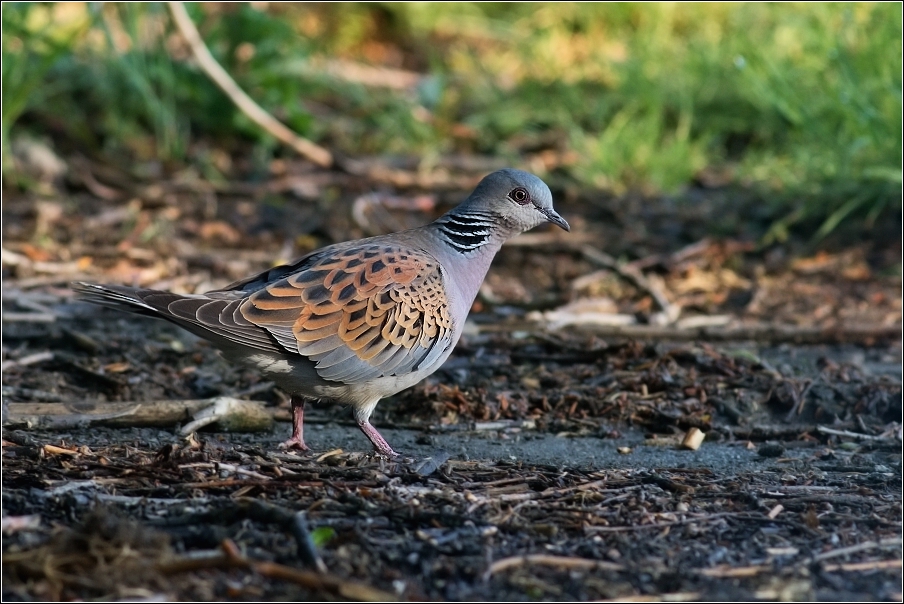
[(230, 414), (245, 103)]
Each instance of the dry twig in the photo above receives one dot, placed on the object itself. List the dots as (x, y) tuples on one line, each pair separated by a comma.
[(860, 547), (245, 103), (849, 434), (864, 566), (681, 596), (312, 580), (38, 357), (670, 311), (565, 562), (726, 571)]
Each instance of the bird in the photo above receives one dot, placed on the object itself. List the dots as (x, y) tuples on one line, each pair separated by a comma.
[(358, 321)]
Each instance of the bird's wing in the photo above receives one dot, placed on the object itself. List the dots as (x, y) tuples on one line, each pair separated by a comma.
[(359, 312), (254, 283)]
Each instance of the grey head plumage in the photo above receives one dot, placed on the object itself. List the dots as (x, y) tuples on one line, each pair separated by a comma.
[(504, 204)]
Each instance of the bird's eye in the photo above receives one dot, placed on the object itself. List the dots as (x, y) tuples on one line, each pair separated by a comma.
[(520, 195)]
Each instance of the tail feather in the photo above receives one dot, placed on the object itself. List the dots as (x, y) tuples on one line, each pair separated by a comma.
[(210, 318), (121, 297)]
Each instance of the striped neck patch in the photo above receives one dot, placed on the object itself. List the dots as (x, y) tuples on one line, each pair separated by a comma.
[(466, 231)]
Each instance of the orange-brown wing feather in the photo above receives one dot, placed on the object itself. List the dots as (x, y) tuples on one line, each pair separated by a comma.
[(361, 312)]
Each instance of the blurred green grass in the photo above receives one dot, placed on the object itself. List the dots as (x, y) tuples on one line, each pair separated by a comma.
[(801, 102)]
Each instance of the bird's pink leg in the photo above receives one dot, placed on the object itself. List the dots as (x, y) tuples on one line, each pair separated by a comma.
[(297, 440), (382, 447)]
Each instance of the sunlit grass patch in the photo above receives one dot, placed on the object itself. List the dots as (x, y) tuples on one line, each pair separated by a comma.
[(800, 101)]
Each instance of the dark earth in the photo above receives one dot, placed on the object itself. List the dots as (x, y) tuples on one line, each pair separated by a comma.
[(544, 461)]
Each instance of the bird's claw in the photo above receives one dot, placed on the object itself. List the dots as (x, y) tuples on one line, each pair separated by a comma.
[(294, 444)]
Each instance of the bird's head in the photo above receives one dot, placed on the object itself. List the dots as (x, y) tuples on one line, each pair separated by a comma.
[(519, 199)]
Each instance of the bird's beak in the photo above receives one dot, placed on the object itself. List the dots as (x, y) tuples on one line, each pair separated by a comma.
[(554, 218)]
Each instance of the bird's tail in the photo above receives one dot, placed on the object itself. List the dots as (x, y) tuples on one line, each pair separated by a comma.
[(148, 302), (217, 319)]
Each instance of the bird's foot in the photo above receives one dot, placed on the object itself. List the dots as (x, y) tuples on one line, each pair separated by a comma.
[(297, 440), (294, 443), (387, 452)]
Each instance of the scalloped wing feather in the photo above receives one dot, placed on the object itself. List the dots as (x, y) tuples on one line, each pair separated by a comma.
[(360, 312)]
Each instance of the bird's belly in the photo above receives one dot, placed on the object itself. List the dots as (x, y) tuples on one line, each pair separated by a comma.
[(298, 375)]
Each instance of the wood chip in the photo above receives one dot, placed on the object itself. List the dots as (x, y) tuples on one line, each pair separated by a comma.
[(54, 450), (332, 453), (693, 439), (782, 551)]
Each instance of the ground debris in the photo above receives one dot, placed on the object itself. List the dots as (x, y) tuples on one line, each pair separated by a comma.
[(548, 464), (487, 525), (105, 555)]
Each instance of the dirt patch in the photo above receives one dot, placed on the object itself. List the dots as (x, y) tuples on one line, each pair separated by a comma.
[(815, 523)]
